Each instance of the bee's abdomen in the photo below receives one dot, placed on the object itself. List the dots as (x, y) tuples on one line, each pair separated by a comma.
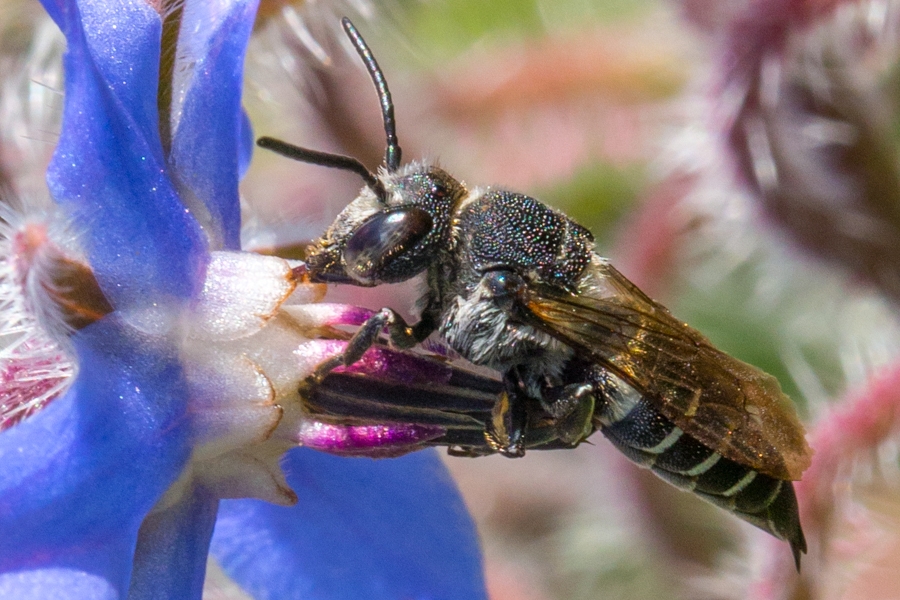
[(653, 441)]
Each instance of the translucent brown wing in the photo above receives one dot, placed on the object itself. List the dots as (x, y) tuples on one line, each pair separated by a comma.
[(724, 403)]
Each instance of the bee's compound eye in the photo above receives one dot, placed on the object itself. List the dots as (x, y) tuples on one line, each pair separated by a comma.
[(382, 239)]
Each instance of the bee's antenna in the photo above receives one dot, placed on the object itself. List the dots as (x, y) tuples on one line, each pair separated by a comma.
[(325, 159), (392, 152)]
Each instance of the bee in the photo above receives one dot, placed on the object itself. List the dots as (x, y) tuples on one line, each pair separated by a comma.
[(515, 286)]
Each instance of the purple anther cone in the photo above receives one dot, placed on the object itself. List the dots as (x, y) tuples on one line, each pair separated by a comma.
[(379, 441), (383, 362)]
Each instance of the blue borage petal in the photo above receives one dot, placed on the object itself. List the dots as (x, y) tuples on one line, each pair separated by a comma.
[(170, 561), (118, 34), (108, 167), (96, 571), (79, 476), (379, 530), (59, 584), (210, 134), (245, 152)]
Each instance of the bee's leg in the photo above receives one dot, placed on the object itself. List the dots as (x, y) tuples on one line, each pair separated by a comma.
[(572, 407), (400, 333), (505, 432)]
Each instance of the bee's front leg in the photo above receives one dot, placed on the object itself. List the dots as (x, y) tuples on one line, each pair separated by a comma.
[(400, 333)]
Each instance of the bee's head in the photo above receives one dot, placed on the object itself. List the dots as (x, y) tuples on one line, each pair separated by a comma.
[(375, 241), (401, 218)]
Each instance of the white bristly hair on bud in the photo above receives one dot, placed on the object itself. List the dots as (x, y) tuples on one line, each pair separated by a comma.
[(36, 364)]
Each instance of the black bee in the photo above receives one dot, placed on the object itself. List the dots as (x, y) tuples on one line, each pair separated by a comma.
[(516, 286)]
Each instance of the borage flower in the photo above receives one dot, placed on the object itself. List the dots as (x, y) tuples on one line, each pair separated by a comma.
[(188, 356)]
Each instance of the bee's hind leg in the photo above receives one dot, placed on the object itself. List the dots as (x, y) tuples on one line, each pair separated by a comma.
[(572, 407)]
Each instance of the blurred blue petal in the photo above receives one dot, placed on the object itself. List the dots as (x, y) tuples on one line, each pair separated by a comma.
[(374, 529), (245, 151), (108, 167), (170, 561), (58, 584), (79, 476), (210, 137), (115, 40)]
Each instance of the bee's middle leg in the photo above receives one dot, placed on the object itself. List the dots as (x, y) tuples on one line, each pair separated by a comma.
[(506, 430)]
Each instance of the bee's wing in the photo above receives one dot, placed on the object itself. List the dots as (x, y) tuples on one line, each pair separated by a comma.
[(724, 403)]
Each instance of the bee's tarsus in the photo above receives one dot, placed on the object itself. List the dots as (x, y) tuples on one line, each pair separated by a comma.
[(400, 334), (325, 368)]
